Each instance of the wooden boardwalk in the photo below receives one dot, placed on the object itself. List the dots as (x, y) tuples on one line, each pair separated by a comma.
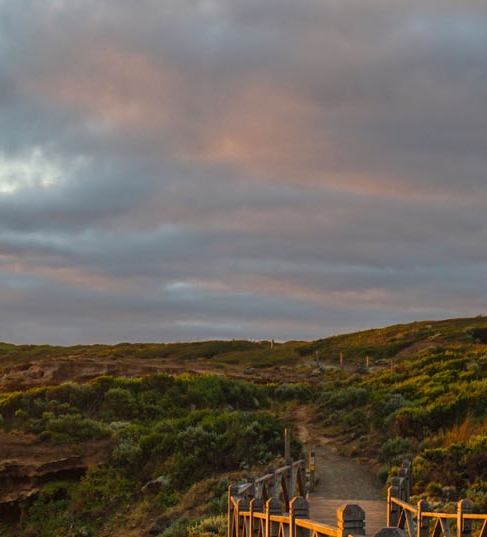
[(325, 510)]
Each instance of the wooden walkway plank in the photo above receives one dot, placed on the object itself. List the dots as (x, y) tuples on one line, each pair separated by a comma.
[(325, 510)]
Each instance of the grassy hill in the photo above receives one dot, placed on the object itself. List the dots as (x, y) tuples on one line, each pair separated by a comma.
[(174, 424)]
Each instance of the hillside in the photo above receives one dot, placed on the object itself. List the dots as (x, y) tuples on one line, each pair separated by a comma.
[(84, 429)]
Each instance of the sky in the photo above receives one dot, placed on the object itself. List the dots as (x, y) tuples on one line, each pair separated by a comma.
[(183, 170)]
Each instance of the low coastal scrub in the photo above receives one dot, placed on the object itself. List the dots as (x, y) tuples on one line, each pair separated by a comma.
[(167, 433), (417, 390)]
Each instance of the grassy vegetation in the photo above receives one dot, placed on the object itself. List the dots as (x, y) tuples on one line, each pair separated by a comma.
[(254, 354), (171, 431), (424, 394), (430, 403)]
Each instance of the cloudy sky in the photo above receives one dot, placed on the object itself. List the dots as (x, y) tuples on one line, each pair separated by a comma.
[(178, 170)]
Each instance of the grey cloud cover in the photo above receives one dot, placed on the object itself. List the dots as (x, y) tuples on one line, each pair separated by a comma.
[(182, 170)]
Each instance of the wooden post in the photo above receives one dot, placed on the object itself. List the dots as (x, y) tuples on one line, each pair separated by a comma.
[(251, 494), (367, 361), (287, 486), (311, 471), (256, 506), (464, 527), (392, 508), (399, 482), (232, 491), (341, 359), (273, 506), (422, 523), (408, 466), (350, 520), (242, 528), (298, 509), (403, 473)]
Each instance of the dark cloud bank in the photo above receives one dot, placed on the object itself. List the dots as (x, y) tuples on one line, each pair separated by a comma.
[(183, 170)]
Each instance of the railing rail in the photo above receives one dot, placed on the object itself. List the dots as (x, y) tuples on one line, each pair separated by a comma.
[(421, 521)]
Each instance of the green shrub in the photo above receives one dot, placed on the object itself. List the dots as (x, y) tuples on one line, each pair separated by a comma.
[(68, 428), (293, 392), (178, 528), (394, 450), (434, 491), (344, 398), (477, 494), (209, 527), (49, 514), (101, 492), (118, 404)]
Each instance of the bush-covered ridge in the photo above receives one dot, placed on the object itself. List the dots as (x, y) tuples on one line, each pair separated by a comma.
[(423, 394), (378, 344), (429, 403), (172, 431)]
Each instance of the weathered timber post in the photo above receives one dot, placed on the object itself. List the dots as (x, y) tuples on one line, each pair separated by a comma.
[(403, 474), (311, 471), (232, 514), (298, 509), (392, 508), (464, 527), (406, 471), (350, 520), (256, 506), (422, 523), (287, 477), (399, 483), (273, 506), (242, 528), (272, 483)]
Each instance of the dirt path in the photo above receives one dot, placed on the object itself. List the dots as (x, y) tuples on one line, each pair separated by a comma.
[(340, 479)]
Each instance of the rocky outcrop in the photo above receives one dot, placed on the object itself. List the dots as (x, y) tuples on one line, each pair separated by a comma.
[(26, 465), (20, 480)]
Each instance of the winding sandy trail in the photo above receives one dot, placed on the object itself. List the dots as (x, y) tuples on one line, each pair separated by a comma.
[(341, 480)]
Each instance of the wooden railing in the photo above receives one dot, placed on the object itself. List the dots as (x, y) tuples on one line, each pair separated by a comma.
[(285, 483), (275, 506), (253, 519), (269, 507), (421, 521)]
